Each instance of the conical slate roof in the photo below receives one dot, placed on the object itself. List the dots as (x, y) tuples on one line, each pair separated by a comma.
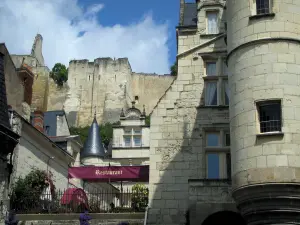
[(93, 146)]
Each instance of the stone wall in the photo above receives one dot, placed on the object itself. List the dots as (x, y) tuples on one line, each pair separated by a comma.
[(14, 87), (147, 89), (105, 85), (40, 83), (178, 129), (34, 151), (57, 96)]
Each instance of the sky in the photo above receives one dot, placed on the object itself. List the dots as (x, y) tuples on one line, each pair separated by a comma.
[(143, 31)]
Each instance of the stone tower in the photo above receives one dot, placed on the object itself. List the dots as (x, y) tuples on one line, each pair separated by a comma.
[(264, 74)]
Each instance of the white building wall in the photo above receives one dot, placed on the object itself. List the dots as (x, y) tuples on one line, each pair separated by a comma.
[(35, 151)]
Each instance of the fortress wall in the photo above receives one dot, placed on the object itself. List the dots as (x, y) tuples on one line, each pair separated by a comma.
[(149, 88), (98, 85), (57, 96)]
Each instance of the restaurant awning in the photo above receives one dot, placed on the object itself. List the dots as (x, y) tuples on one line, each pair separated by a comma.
[(76, 196), (110, 173)]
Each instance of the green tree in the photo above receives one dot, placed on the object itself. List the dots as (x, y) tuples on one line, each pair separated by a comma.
[(173, 69), (139, 197), (59, 74), (106, 132)]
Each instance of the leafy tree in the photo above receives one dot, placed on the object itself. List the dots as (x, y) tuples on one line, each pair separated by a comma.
[(174, 69), (106, 132), (59, 74)]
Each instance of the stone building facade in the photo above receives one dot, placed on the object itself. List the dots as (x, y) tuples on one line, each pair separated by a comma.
[(205, 163), (263, 58)]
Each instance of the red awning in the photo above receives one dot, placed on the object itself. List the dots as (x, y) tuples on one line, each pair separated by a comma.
[(76, 196), (110, 173)]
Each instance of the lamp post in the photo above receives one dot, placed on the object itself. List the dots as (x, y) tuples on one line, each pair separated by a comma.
[(50, 157)]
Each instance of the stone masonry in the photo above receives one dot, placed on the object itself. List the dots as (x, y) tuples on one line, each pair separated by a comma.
[(264, 63), (179, 123)]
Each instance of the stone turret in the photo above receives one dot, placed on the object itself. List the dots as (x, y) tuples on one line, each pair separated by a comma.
[(37, 50), (263, 59)]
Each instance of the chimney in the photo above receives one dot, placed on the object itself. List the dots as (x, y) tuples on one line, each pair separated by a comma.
[(38, 120), (181, 10)]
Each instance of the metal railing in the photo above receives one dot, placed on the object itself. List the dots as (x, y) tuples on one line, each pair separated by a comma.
[(93, 201)]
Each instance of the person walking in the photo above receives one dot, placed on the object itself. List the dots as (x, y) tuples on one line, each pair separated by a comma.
[(84, 218), (12, 218)]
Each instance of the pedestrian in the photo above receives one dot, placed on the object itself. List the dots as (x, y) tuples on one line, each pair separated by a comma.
[(84, 218), (12, 218)]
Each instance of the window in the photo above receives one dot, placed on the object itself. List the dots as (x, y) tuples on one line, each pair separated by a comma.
[(211, 69), (218, 162), (216, 87), (262, 7), (212, 22), (269, 116), (127, 141), (132, 137)]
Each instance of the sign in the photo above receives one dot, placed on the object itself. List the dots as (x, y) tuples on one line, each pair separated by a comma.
[(112, 173)]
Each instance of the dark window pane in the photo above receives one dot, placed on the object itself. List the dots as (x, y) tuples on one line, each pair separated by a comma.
[(212, 139), (262, 6), (270, 117), (213, 166), (228, 165), (227, 139)]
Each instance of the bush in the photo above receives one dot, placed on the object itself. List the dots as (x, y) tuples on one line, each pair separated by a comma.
[(139, 198), (26, 191)]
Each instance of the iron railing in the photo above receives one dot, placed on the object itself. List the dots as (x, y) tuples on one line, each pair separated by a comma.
[(94, 201)]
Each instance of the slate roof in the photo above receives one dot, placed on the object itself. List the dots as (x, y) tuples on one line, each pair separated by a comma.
[(50, 122), (93, 146), (190, 14)]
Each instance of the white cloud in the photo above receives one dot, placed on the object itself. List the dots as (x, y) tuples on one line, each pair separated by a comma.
[(60, 22)]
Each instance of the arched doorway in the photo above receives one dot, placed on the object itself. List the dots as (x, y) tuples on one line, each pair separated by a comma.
[(224, 218)]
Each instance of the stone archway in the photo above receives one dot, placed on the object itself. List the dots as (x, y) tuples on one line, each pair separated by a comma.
[(224, 218)]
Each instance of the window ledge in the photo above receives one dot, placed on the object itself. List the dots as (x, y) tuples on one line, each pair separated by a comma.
[(210, 35), (210, 182), (213, 107), (258, 16), (270, 134), (219, 149)]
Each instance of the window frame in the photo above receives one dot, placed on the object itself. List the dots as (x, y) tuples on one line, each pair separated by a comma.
[(132, 136), (220, 78), (212, 11), (253, 6), (222, 150), (260, 104)]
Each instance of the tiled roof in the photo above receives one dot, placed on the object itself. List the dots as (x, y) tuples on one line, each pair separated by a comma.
[(4, 119), (190, 14), (93, 146)]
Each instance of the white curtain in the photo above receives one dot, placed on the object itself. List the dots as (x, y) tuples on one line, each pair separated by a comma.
[(212, 23), (210, 93), (211, 69)]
